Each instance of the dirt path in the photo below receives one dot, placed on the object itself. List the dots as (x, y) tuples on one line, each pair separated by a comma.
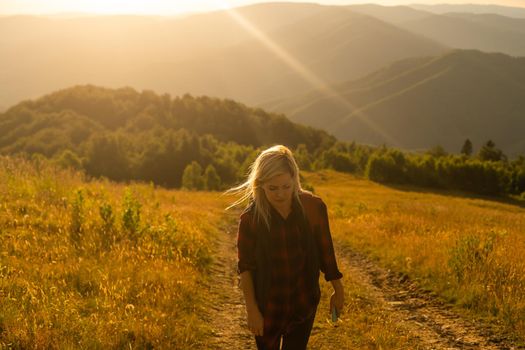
[(433, 322), (228, 316)]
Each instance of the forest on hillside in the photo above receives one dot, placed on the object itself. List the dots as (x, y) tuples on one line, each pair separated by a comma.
[(123, 134), (208, 143)]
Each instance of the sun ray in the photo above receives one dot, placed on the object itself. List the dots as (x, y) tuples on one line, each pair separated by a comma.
[(310, 77)]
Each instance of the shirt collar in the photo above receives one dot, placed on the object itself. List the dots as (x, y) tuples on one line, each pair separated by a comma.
[(277, 217)]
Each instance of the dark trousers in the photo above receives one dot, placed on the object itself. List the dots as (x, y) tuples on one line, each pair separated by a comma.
[(297, 339)]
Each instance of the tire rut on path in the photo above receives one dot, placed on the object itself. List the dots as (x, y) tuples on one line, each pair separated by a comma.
[(432, 321), (227, 315)]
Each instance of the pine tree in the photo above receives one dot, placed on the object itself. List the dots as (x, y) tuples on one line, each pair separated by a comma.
[(490, 152), (467, 148)]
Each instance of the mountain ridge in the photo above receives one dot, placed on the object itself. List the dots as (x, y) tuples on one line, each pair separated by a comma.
[(186, 55), (425, 102), (481, 31), (510, 11)]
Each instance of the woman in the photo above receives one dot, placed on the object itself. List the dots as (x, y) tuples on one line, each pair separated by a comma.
[(283, 242)]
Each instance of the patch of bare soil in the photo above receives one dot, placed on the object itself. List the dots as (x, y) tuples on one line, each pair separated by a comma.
[(429, 319), (228, 314)]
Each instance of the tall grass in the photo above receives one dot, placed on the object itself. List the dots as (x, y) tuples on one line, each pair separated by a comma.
[(99, 265), (468, 250), (94, 264)]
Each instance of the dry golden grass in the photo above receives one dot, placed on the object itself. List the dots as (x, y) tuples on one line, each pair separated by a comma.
[(93, 264), (100, 265), (468, 250)]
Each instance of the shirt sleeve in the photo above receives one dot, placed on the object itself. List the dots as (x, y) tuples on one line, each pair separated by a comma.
[(328, 263), (245, 245)]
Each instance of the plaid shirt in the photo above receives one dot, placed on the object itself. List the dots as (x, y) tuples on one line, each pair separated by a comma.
[(290, 301)]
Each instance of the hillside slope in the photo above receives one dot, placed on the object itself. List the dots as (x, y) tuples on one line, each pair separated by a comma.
[(423, 102), (80, 112), (124, 134)]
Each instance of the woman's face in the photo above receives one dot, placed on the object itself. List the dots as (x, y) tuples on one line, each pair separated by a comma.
[(279, 190)]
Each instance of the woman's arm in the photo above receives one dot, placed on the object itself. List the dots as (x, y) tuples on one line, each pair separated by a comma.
[(255, 319), (328, 260), (337, 299)]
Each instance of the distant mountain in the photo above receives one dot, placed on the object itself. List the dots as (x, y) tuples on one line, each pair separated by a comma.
[(489, 33), (502, 23), (518, 12), (422, 102), (485, 32), (333, 45), (41, 54), (250, 53), (390, 14)]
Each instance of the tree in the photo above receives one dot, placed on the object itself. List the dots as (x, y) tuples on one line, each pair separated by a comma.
[(467, 148), (518, 176), (212, 181), (106, 156), (338, 161), (489, 152), (69, 159), (192, 177), (437, 151), (387, 167), (303, 158)]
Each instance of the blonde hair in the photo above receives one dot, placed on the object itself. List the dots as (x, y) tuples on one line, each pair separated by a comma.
[(273, 161)]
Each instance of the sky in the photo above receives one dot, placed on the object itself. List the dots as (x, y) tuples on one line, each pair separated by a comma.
[(174, 7)]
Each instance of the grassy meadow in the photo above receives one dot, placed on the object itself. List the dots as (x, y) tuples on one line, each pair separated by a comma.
[(101, 265), (467, 250), (95, 264)]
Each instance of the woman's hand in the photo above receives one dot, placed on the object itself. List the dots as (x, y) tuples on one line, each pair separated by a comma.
[(255, 321), (337, 299)]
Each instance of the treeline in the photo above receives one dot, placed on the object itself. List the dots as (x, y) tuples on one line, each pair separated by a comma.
[(194, 162), (206, 143), (488, 172), (185, 160), (123, 134)]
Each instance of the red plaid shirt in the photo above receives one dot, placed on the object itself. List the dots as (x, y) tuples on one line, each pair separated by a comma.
[(290, 301)]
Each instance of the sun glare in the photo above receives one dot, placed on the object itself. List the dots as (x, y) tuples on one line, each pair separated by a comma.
[(134, 6), (175, 7), (138, 7)]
